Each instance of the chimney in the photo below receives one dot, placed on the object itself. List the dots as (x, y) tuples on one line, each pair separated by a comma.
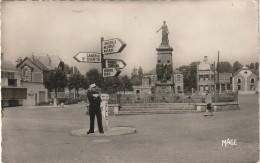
[(205, 59), (32, 56)]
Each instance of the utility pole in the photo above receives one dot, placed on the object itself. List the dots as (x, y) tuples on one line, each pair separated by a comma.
[(218, 73)]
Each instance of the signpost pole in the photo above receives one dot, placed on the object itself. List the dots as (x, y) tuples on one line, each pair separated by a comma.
[(102, 56)]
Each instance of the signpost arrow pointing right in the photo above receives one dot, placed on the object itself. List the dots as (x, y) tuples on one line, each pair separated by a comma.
[(108, 72), (118, 63), (112, 46)]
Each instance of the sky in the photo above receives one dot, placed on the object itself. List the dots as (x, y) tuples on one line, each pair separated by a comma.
[(197, 29)]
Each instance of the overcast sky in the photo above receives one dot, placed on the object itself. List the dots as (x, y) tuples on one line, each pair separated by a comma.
[(197, 29)]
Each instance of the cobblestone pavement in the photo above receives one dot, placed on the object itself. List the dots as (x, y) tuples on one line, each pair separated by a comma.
[(43, 135)]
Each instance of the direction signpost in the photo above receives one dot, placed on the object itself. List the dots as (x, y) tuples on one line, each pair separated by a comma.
[(117, 63), (109, 67)]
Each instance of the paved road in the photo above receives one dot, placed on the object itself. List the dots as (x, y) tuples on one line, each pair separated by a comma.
[(43, 135)]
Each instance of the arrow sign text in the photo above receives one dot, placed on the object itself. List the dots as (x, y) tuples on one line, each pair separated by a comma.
[(88, 57), (117, 63), (108, 72), (112, 46)]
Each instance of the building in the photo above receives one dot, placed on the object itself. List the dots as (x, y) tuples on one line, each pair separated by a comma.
[(13, 93), (210, 80), (224, 83), (245, 81), (33, 69), (145, 88), (205, 76), (178, 81)]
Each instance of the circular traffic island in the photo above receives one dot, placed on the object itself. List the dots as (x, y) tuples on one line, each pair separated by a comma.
[(111, 132)]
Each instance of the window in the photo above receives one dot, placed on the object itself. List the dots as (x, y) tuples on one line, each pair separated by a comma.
[(252, 80), (159, 61), (12, 82), (201, 77), (137, 91), (228, 86), (26, 73), (238, 80), (222, 87), (238, 87), (252, 88), (201, 88), (168, 61), (206, 88), (178, 78), (179, 88), (206, 77)]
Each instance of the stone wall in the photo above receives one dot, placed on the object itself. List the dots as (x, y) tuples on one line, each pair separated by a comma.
[(224, 106)]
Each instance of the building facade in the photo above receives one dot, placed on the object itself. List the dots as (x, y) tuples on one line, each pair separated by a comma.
[(13, 93), (245, 81), (33, 69), (210, 80), (205, 76), (178, 82)]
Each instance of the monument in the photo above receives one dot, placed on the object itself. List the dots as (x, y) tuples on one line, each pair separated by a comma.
[(164, 67)]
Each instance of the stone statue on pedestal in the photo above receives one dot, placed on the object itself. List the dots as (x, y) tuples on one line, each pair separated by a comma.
[(165, 32)]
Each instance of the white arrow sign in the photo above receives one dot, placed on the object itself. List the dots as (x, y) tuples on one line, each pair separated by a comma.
[(108, 72), (117, 63), (112, 46), (89, 57)]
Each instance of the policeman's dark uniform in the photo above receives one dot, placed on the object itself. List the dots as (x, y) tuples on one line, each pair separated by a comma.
[(94, 110)]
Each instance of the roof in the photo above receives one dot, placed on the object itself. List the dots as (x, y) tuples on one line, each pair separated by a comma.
[(7, 66), (245, 68), (39, 64), (175, 71), (35, 62), (203, 66), (45, 63), (224, 77), (50, 61)]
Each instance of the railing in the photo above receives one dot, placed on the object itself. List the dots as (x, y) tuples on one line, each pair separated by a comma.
[(170, 98)]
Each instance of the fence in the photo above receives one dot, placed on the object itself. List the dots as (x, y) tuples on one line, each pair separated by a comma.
[(170, 98)]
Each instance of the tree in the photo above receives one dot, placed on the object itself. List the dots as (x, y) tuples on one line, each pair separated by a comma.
[(55, 80), (77, 81), (256, 66), (140, 71), (236, 66), (125, 83), (224, 66), (134, 72), (189, 76), (93, 76), (136, 79)]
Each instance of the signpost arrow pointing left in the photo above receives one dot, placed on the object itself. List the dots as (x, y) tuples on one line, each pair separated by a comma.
[(89, 57)]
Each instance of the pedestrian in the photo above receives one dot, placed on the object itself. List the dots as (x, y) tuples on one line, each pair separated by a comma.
[(208, 102), (94, 108)]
